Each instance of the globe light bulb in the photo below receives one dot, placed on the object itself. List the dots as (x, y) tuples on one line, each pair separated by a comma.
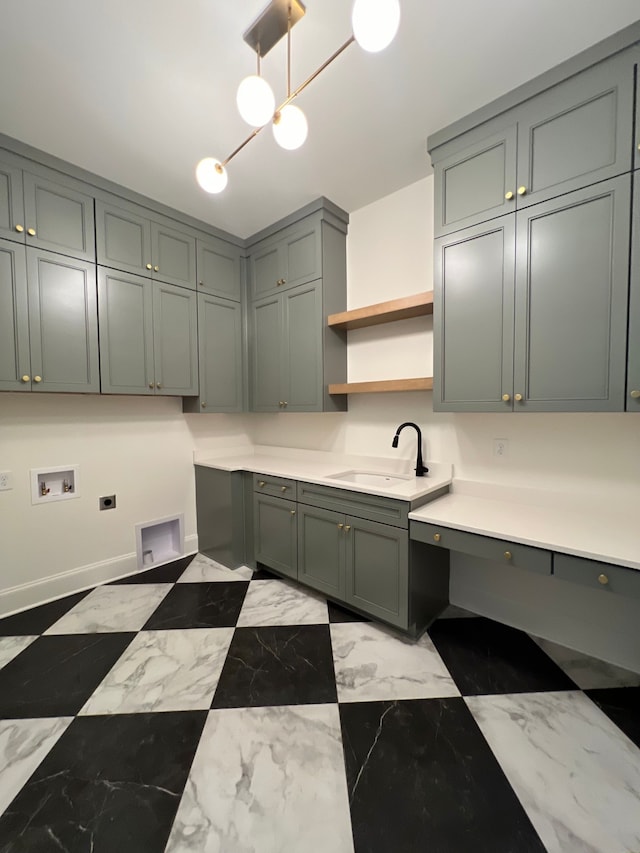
[(375, 23), (256, 101), (211, 175), (290, 127)]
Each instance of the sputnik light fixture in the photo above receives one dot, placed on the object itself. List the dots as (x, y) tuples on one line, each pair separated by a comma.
[(375, 23)]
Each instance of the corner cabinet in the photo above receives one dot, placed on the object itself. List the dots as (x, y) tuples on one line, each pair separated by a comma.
[(297, 278)]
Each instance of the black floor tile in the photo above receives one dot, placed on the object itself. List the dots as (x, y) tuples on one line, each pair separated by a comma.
[(422, 777), (110, 784), (339, 614), (262, 574), (54, 676), (200, 605), (38, 619), (622, 705), (284, 665), (169, 573), (485, 657)]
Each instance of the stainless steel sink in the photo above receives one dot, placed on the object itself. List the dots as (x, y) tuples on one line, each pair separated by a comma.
[(370, 478)]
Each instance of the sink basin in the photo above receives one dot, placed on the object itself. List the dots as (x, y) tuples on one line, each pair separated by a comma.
[(369, 478)]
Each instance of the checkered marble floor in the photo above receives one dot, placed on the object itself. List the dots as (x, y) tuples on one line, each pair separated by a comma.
[(192, 708)]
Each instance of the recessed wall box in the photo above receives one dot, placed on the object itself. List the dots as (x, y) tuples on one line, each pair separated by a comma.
[(164, 538), (54, 484)]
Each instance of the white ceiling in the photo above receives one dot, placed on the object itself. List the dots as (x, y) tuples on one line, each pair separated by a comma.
[(140, 90)]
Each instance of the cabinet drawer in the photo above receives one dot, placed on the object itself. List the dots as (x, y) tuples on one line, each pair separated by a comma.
[(277, 487), (373, 507), (486, 547), (601, 576)]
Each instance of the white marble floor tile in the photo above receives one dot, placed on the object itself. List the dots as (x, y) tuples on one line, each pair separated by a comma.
[(275, 602), (266, 780), (587, 672), (576, 774), (164, 671), (23, 745), (112, 608), (371, 663), (10, 647), (202, 569)]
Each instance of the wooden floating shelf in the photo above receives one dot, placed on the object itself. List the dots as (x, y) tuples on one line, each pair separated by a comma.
[(418, 305), (424, 383)]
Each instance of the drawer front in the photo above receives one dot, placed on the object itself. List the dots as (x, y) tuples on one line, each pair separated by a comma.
[(277, 487), (602, 576), (372, 507), (486, 547)]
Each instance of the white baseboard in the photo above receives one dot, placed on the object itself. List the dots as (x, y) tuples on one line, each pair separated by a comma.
[(47, 589)]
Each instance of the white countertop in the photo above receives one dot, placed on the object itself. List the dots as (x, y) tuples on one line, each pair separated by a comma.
[(318, 467), (557, 522)]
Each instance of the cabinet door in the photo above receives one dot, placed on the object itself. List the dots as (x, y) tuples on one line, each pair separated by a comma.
[(266, 268), (220, 345), (301, 248), (571, 301), (175, 340), (123, 239), (11, 202), (321, 550), (578, 132), (275, 534), (472, 185), (266, 357), (61, 217), (473, 318), (377, 569), (302, 364), (15, 364), (174, 256), (63, 323), (219, 268), (126, 333), (633, 364)]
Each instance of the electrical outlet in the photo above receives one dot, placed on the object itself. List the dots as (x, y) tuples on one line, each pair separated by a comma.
[(107, 502), (501, 447), (6, 481)]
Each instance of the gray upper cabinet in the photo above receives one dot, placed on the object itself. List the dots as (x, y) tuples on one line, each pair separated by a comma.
[(266, 354), (15, 357), (572, 135), (175, 339), (633, 365), (174, 255), (11, 200), (220, 268), (58, 218), (302, 356), (291, 258)]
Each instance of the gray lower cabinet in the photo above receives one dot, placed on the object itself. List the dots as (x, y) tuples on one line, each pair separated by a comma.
[(148, 336), (44, 348), (275, 534), (633, 357), (220, 268), (322, 550)]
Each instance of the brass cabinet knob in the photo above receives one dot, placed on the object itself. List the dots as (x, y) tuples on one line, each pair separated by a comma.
[(151, 384), (340, 526), (508, 555), (638, 146), (158, 384), (635, 395), (26, 378), (436, 537), (283, 488), (262, 484), (347, 528), (285, 404), (201, 284), (506, 397), (522, 190), (283, 281), (149, 267), (293, 512), (31, 232), (519, 398), (37, 378), (19, 228), (508, 195), (281, 404), (204, 405), (156, 269), (603, 579)]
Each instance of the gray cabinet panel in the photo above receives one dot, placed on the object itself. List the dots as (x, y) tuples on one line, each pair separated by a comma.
[(123, 239), (63, 323), (11, 202), (220, 349), (377, 570), (471, 185), (175, 340), (174, 255), (578, 132), (633, 358), (571, 301), (303, 259), (321, 550), (280, 487), (61, 217), (473, 318), (303, 348), (275, 534), (265, 268), (219, 268), (266, 375), (602, 576), (126, 333), (373, 507), (15, 361)]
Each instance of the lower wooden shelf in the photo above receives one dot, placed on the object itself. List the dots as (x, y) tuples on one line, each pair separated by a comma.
[(424, 383)]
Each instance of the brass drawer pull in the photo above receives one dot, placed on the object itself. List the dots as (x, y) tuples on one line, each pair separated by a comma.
[(603, 579), (508, 195), (522, 190), (506, 397), (283, 488), (26, 378), (508, 555), (31, 232), (149, 267), (262, 484), (436, 537), (19, 228)]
